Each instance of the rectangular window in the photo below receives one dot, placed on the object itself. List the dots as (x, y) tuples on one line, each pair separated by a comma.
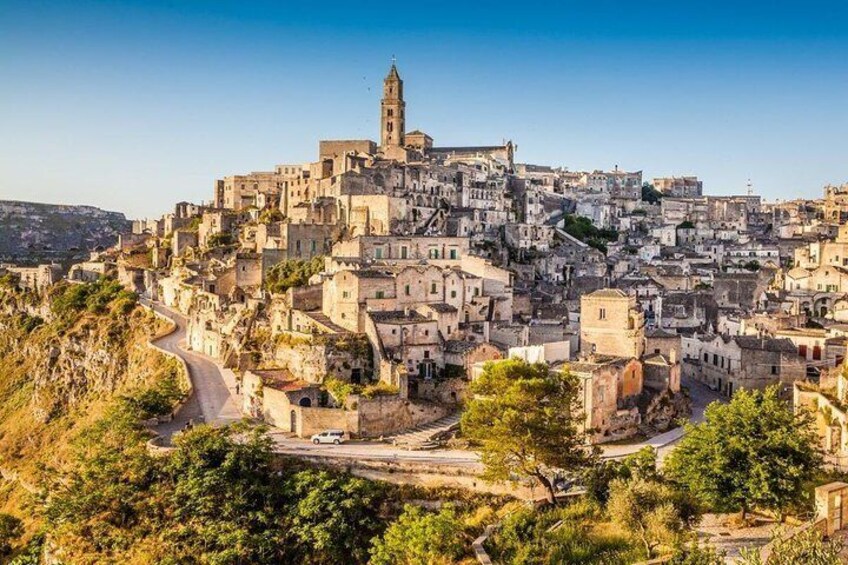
[(378, 252), (775, 370), (345, 294), (403, 252), (406, 290), (381, 294), (426, 354), (453, 294), (453, 253), (433, 289), (602, 313)]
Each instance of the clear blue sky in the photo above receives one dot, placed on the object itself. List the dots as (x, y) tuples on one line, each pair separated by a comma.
[(135, 105)]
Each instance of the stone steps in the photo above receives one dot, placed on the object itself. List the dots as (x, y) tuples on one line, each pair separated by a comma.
[(422, 436)]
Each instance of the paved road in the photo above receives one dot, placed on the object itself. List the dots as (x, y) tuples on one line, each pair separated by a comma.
[(701, 396), (214, 400), (374, 451)]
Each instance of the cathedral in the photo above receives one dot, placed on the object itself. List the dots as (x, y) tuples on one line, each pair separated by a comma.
[(398, 145)]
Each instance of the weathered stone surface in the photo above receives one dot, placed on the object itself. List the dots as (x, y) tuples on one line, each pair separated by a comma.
[(31, 230)]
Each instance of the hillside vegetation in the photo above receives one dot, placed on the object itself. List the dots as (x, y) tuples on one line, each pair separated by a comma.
[(81, 486)]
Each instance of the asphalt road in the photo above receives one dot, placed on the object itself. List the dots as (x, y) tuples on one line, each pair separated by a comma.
[(214, 400)]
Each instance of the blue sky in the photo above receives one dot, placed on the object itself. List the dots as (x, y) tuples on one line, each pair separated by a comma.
[(135, 105)]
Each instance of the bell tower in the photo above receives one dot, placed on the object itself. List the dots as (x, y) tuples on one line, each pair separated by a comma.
[(392, 111)]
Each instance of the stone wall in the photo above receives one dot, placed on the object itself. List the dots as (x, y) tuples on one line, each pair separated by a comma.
[(384, 415), (313, 420), (312, 359)]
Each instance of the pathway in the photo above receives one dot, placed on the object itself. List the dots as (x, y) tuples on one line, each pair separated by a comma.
[(663, 443), (214, 400)]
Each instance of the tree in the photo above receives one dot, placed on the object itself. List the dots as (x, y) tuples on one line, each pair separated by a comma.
[(650, 510), (221, 239), (694, 554), (527, 421), (11, 529), (291, 273), (807, 547), (597, 478), (224, 497), (753, 451), (421, 537), (650, 194), (333, 517)]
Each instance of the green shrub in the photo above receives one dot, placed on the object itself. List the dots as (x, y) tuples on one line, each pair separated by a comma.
[(221, 239), (292, 273), (95, 297), (419, 536), (379, 389), (30, 323), (11, 529), (559, 535), (340, 390)]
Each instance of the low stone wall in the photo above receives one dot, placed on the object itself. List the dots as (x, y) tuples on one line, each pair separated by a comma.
[(478, 545), (386, 415), (312, 420), (420, 473), (819, 524), (185, 374)]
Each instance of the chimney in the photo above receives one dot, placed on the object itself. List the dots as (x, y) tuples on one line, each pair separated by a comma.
[(672, 356)]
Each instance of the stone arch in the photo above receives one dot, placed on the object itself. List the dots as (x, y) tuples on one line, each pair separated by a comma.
[(305, 402)]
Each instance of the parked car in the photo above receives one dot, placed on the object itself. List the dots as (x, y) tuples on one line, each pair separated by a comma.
[(329, 436)]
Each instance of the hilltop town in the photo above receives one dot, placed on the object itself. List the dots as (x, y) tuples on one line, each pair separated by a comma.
[(367, 290), (402, 266)]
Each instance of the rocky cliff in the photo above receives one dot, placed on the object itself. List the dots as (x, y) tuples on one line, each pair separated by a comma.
[(36, 232), (68, 357)]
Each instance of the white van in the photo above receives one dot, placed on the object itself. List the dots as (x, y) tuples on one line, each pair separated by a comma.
[(329, 436)]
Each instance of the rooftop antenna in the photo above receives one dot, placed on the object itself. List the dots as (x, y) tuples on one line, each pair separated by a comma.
[(394, 59), (750, 188)]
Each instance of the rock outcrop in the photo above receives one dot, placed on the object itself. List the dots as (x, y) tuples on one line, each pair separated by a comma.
[(37, 232)]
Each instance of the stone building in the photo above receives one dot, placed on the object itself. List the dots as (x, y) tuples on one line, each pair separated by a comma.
[(826, 404), (611, 324), (679, 187), (35, 278), (609, 387), (392, 115), (258, 190), (728, 363)]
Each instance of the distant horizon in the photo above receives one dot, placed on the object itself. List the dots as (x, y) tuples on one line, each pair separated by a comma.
[(132, 106)]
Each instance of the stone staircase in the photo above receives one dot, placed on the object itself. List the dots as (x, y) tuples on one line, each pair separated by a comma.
[(325, 321), (426, 436)]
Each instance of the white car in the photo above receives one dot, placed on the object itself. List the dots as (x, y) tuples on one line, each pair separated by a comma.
[(329, 436)]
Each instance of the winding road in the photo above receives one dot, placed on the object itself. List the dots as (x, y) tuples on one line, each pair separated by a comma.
[(215, 402)]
